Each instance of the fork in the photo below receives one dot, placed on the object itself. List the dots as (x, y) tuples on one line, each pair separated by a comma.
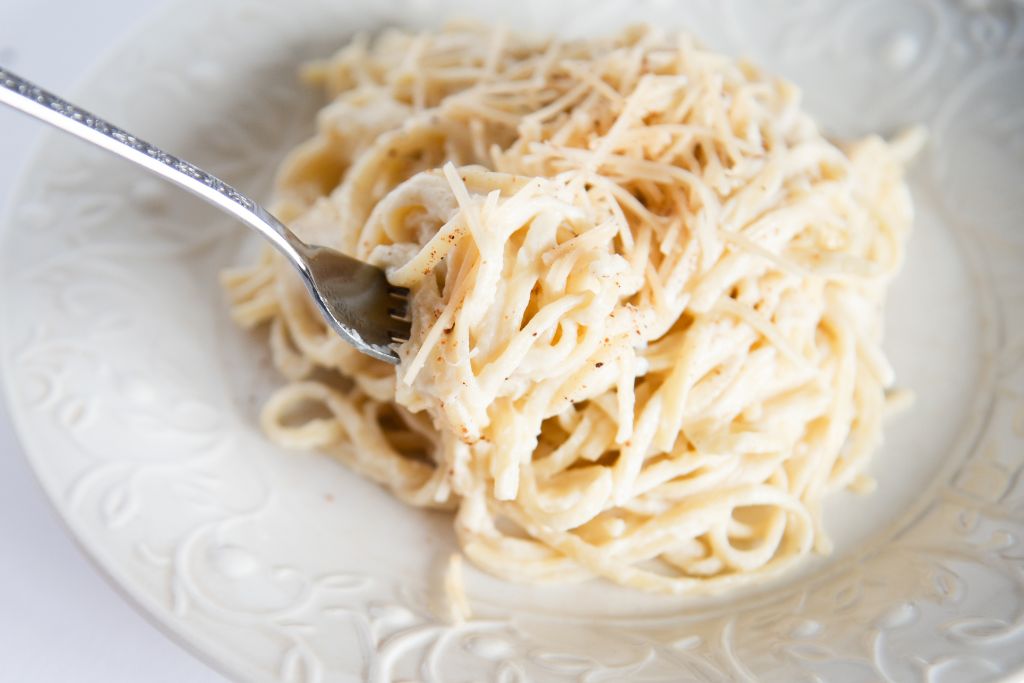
[(354, 297)]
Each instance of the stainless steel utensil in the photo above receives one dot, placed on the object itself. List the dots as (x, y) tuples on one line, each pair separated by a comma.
[(355, 298)]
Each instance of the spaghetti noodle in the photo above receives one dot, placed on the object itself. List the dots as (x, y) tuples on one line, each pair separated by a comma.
[(646, 298)]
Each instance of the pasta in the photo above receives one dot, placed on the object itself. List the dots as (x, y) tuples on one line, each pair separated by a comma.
[(646, 298)]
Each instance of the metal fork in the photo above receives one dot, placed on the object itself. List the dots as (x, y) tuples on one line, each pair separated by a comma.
[(355, 298)]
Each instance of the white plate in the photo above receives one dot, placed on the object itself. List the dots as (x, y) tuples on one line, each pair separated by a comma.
[(136, 398)]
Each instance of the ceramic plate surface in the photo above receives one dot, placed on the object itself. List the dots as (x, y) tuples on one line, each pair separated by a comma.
[(136, 398)]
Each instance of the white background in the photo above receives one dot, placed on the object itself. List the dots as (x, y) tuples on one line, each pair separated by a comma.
[(59, 619)]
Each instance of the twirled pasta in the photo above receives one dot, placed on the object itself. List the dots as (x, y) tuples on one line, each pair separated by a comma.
[(646, 300)]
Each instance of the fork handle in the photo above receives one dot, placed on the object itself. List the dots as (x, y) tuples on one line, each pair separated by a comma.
[(29, 98)]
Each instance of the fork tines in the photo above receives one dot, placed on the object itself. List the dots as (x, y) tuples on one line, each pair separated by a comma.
[(398, 311), (398, 292)]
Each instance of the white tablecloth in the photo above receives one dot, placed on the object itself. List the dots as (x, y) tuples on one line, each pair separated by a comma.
[(60, 620)]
